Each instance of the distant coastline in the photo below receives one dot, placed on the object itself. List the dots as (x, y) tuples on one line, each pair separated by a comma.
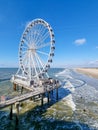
[(92, 72)]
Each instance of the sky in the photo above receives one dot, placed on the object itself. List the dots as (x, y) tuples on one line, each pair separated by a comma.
[(75, 25)]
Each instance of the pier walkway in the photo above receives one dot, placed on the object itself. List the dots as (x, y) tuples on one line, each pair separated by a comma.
[(36, 92)]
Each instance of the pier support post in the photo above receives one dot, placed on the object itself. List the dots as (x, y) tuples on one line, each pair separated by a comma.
[(21, 90), (48, 96), (34, 98), (11, 112), (57, 94), (42, 100), (31, 98), (14, 86), (17, 112)]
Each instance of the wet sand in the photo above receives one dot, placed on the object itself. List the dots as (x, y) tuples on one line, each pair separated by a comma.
[(93, 72)]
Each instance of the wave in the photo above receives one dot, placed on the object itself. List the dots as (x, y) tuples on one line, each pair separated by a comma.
[(66, 74), (6, 79)]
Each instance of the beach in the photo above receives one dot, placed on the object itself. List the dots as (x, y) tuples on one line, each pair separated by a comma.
[(92, 72)]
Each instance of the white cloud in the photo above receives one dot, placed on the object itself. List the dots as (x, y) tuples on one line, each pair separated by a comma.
[(92, 63), (96, 47), (80, 41)]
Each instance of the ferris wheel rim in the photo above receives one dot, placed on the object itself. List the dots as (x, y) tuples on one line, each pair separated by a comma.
[(37, 47)]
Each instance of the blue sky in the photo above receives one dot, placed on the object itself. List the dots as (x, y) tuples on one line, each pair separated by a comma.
[(75, 24)]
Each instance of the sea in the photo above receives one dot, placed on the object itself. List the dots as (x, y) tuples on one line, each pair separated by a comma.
[(76, 108)]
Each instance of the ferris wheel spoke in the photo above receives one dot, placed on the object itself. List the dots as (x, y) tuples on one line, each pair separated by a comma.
[(43, 38), (25, 57), (46, 35), (42, 31), (26, 43), (38, 64), (30, 37), (39, 30), (41, 60), (25, 63), (24, 52), (25, 47), (34, 33), (44, 53), (34, 64), (36, 67), (44, 45), (42, 65)]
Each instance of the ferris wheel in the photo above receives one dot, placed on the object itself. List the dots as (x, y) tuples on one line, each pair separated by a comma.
[(36, 49)]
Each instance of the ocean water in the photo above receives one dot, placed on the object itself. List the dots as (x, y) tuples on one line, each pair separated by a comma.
[(76, 109)]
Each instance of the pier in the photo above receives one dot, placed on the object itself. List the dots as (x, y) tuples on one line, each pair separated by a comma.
[(39, 92)]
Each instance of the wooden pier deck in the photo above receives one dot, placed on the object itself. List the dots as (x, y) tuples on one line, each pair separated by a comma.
[(37, 91), (17, 99)]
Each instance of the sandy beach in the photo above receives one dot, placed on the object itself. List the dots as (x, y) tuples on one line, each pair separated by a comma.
[(93, 72)]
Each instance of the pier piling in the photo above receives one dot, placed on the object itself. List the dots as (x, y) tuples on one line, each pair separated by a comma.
[(57, 94), (42, 100), (21, 90), (48, 96), (17, 112), (11, 112)]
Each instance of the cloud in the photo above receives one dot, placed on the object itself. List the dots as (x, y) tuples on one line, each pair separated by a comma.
[(94, 62), (96, 47), (80, 41)]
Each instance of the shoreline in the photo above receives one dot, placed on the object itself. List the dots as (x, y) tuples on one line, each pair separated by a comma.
[(91, 72)]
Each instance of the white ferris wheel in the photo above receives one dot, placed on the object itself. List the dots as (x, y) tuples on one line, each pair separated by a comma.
[(36, 49)]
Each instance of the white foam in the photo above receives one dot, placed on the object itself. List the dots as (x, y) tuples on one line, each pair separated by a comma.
[(66, 92), (62, 72), (69, 86), (69, 101), (65, 73), (95, 125)]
